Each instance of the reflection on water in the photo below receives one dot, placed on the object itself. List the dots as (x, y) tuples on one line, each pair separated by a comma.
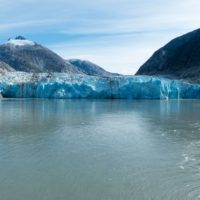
[(99, 150)]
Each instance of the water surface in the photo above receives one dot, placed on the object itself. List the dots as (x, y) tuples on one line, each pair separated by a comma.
[(99, 150)]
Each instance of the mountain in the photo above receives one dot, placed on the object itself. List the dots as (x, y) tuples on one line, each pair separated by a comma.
[(90, 68), (5, 68), (180, 59), (28, 56)]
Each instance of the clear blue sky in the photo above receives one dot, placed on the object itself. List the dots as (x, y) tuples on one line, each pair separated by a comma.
[(119, 35)]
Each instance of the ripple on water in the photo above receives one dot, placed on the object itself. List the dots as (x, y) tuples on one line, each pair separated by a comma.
[(190, 165)]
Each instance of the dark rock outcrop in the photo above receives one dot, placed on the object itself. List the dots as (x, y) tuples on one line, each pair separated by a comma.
[(179, 59), (20, 38)]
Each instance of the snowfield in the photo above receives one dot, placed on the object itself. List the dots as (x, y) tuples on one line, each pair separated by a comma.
[(15, 42), (65, 86)]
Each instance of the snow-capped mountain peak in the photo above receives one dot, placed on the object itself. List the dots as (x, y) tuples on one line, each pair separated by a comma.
[(28, 56)]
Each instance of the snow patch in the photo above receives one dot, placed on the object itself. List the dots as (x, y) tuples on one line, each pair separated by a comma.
[(20, 42)]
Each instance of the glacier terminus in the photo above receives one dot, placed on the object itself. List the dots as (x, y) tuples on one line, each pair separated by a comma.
[(68, 86)]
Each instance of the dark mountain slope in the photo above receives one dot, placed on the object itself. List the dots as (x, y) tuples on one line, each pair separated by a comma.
[(90, 68), (180, 59)]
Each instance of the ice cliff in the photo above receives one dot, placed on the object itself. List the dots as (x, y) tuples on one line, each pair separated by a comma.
[(61, 85)]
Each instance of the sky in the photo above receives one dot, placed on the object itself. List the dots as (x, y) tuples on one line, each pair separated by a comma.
[(119, 35)]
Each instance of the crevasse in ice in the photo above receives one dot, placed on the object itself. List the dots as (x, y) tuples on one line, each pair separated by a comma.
[(61, 85)]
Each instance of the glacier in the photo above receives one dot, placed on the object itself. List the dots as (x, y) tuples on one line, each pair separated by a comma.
[(67, 86)]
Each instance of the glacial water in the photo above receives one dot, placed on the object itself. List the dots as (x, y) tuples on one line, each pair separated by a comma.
[(99, 150)]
